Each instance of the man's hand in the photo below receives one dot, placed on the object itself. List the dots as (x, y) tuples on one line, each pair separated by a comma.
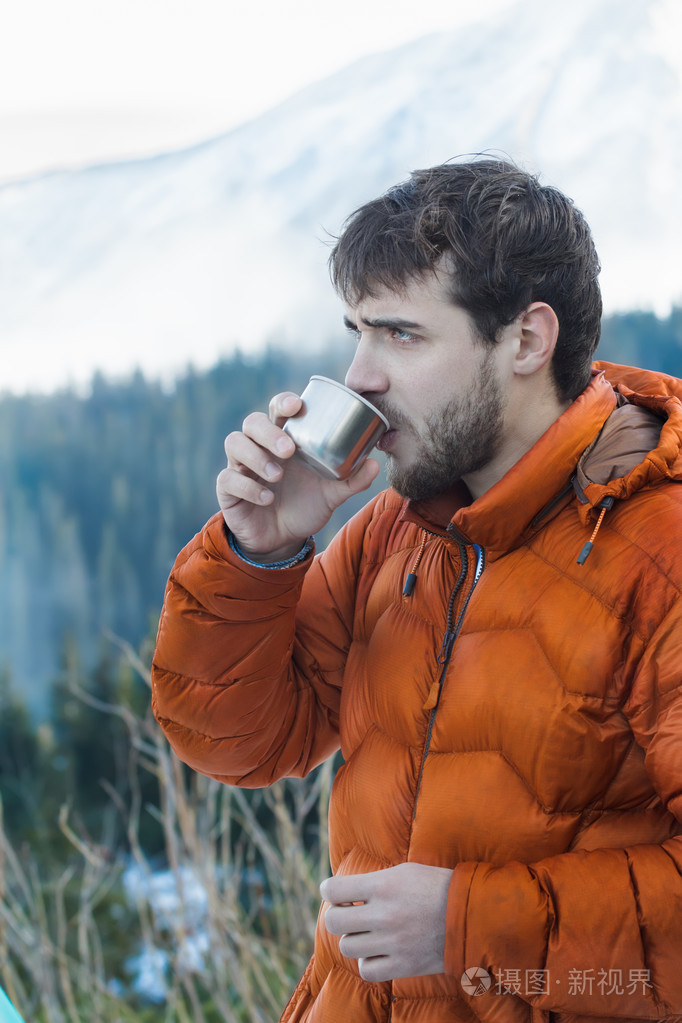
[(392, 921), (272, 502)]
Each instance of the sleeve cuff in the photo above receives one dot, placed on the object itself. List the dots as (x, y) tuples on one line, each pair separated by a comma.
[(288, 563), (455, 923)]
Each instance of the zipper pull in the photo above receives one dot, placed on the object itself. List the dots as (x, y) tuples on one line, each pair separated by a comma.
[(409, 584), (411, 577), (446, 647), (432, 698), (605, 504)]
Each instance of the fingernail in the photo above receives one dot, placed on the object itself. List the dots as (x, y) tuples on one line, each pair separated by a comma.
[(272, 470), (284, 445), (266, 496)]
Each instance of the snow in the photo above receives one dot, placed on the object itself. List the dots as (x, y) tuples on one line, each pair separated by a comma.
[(180, 257), (178, 902)]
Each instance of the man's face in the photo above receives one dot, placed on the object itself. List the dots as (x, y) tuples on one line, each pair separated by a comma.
[(437, 382)]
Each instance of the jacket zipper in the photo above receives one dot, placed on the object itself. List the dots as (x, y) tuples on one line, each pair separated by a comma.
[(452, 631)]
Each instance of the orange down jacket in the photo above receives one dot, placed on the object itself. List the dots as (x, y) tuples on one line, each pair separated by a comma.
[(517, 717)]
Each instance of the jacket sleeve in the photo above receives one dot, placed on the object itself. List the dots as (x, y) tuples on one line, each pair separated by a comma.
[(249, 661), (599, 931)]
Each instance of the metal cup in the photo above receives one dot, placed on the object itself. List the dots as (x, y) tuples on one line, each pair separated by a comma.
[(335, 430)]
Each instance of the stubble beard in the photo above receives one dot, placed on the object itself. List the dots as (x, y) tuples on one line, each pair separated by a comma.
[(458, 438)]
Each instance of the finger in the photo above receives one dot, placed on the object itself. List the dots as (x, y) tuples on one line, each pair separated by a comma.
[(263, 432), (360, 946), (348, 889), (351, 919), (233, 487), (283, 406), (376, 969), (249, 458)]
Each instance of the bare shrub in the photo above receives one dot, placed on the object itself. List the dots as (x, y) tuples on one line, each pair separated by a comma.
[(231, 939)]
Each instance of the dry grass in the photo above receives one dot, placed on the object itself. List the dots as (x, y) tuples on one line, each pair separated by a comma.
[(258, 857)]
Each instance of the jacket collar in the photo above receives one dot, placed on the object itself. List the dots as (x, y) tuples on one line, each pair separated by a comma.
[(500, 518)]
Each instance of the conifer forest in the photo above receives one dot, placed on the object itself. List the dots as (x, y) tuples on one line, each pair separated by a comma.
[(131, 888)]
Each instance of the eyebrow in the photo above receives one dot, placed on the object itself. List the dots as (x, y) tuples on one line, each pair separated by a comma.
[(384, 322)]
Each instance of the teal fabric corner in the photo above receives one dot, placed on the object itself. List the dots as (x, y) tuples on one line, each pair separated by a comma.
[(8, 1014)]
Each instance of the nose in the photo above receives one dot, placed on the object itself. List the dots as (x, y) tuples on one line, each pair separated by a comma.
[(365, 374)]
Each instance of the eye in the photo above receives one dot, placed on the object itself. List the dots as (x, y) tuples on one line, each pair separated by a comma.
[(353, 331), (403, 335)]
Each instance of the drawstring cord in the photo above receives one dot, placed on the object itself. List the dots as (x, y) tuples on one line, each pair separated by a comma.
[(412, 576), (585, 552), (604, 505)]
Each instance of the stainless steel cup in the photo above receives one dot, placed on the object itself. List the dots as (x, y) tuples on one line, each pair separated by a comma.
[(335, 430)]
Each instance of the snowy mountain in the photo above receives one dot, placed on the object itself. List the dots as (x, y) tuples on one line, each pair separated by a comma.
[(158, 262)]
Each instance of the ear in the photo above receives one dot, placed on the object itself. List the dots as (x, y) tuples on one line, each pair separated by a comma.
[(538, 330)]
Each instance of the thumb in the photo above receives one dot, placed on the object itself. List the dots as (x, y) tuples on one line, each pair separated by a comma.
[(363, 478)]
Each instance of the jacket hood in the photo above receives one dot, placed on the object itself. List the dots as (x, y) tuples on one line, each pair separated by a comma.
[(626, 438), (623, 433), (640, 444)]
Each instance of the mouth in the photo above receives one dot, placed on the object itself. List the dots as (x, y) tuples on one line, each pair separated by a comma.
[(385, 442)]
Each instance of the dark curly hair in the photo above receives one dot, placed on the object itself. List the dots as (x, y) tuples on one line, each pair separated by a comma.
[(511, 241)]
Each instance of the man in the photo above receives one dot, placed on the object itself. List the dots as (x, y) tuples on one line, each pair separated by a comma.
[(495, 642)]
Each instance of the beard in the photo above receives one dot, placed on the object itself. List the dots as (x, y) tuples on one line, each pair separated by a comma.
[(458, 438)]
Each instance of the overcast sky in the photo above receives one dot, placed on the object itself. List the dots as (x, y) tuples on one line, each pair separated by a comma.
[(82, 80)]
